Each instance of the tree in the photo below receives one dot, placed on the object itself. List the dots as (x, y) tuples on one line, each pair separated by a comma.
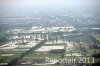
[(94, 52), (63, 38), (56, 39), (62, 56)]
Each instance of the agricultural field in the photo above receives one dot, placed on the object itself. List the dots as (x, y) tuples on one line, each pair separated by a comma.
[(37, 44)]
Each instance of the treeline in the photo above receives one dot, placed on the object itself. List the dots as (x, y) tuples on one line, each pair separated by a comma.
[(3, 39)]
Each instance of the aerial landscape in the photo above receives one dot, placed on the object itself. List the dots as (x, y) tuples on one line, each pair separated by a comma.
[(49, 33)]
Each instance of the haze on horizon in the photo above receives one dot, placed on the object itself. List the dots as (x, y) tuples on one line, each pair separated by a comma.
[(78, 9)]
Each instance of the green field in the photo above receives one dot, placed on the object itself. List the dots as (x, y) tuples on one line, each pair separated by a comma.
[(96, 35)]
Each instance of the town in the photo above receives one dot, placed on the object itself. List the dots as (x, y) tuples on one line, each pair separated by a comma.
[(49, 33)]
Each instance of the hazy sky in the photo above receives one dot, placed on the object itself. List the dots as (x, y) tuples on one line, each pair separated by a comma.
[(44, 2), (48, 3)]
